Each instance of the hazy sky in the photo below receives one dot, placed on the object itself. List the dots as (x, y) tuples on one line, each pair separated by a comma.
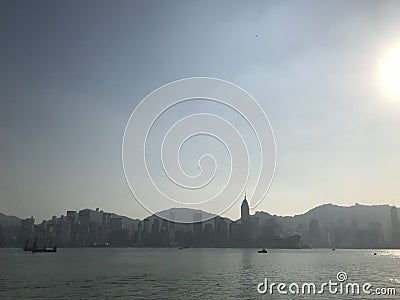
[(72, 72)]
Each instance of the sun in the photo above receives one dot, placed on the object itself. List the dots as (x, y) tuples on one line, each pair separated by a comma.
[(389, 72)]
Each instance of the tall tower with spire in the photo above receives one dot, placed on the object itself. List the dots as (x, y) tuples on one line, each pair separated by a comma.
[(245, 223), (244, 210)]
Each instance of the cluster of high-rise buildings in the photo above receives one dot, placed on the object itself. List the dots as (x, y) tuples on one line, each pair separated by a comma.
[(344, 236), (248, 231), (97, 228), (84, 228), (352, 235)]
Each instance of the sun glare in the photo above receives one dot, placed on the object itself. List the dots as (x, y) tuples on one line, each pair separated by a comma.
[(389, 72)]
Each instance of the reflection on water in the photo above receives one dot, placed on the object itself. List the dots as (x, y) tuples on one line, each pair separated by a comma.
[(394, 253), (189, 273)]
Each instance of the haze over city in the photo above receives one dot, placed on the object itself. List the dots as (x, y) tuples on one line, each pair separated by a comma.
[(218, 149), (72, 73)]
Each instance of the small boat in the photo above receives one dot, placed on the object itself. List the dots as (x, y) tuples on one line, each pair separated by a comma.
[(262, 251), (333, 249)]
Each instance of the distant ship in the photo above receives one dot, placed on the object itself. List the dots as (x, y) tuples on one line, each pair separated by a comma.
[(183, 247), (34, 248), (280, 242), (44, 249), (101, 245)]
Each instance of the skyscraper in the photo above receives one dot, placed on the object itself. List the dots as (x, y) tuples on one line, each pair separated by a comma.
[(395, 219), (197, 228), (315, 233), (244, 210), (220, 231), (245, 223), (395, 227)]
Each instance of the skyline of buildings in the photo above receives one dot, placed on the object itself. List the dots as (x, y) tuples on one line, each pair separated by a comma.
[(88, 228)]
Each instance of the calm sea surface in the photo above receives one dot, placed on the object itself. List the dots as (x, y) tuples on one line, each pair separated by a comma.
[(188, 274)]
